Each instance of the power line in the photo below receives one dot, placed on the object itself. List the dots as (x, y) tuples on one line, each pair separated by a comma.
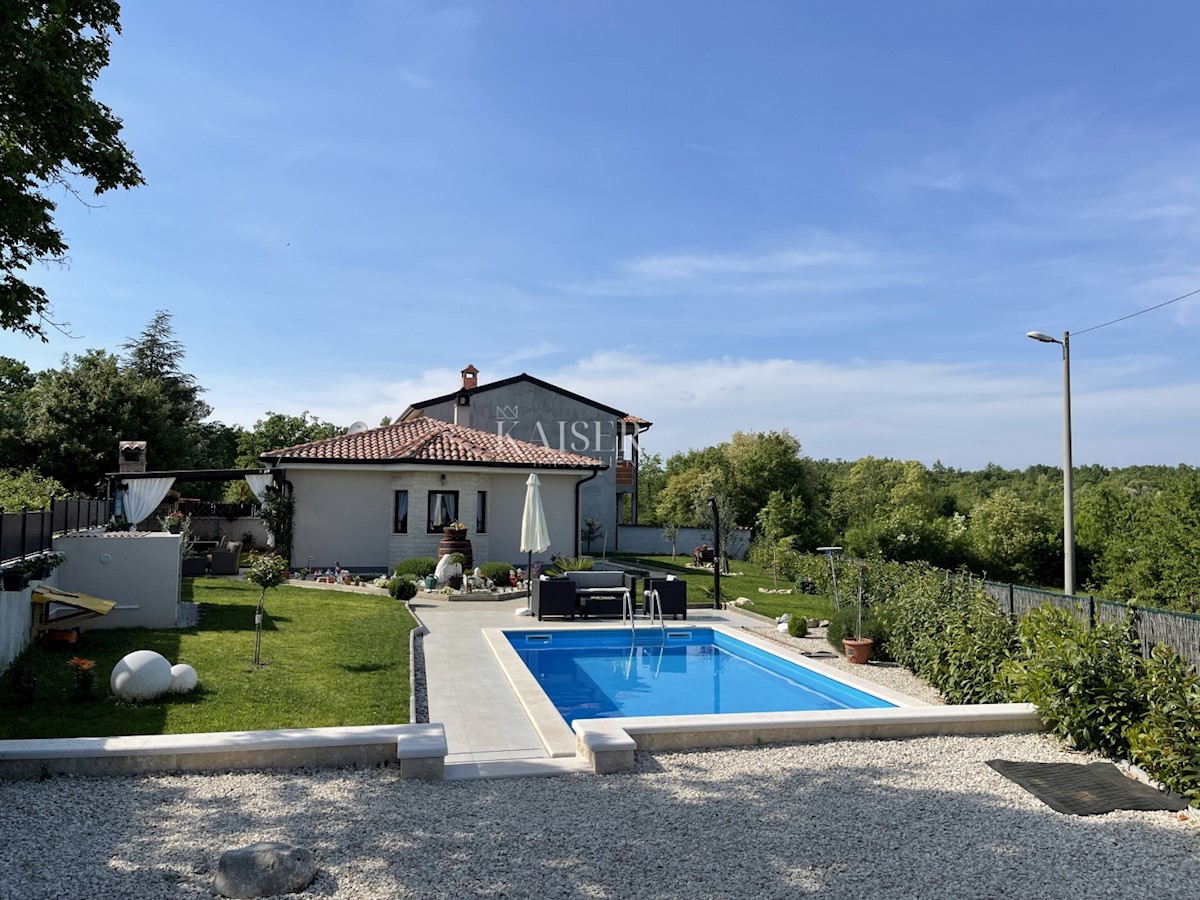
[(1139, 312)]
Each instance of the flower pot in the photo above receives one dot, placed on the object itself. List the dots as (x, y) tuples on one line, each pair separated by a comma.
[(455, 534), (174, 529), (15, 581), (455, 581), (858, 650)]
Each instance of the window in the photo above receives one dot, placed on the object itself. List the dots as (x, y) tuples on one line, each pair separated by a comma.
[(400, 513), (481, 512), (443, 509)]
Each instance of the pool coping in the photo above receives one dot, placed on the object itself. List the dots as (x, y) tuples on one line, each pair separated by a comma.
[(607, 745)]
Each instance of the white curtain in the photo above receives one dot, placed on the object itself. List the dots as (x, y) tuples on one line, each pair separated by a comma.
[(258, 486), (142, 495)]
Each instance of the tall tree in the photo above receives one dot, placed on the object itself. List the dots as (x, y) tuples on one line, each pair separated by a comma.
[(77, 414), (53, 133), (155, 358)]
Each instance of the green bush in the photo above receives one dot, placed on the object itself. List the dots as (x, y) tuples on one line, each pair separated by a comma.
[(945, 629), (496, 571), (1085, 684), (417, 567), (1167, 743), (798, 625), (402, 589), (571, 564)]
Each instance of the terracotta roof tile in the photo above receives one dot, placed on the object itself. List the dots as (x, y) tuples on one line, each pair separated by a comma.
[(635, 420), (433, 441)]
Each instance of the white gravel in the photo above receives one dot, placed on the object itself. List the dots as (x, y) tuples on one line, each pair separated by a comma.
[(815, 646), (923, 817)]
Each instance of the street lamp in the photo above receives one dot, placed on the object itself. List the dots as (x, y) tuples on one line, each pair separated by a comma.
[(829, 551), (1068, 496)]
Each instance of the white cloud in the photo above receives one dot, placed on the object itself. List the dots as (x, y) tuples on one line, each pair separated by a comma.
[(964, 415)]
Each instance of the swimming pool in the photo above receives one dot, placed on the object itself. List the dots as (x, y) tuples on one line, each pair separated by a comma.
[(677, 672)]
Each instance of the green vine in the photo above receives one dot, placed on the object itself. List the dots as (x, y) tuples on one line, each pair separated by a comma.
[(279, 516)]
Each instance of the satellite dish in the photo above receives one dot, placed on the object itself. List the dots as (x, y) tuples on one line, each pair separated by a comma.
[(356, 428)]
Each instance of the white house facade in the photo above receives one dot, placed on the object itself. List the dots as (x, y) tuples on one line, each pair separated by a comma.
[(368, 500)]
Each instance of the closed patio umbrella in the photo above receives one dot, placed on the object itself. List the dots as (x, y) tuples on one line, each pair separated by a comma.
[(535, 536)]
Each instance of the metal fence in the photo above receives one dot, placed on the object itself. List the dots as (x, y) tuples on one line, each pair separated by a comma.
[(32, 530), (1180, 631)]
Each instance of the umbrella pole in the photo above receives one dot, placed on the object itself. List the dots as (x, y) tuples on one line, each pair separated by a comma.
[(529, 582)]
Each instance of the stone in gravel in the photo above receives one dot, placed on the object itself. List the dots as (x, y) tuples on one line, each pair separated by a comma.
[(140, 675), (264, 869), (183, 679)]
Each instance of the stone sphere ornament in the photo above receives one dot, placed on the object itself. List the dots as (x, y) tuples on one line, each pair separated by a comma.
[(183, 679), (140, 675)]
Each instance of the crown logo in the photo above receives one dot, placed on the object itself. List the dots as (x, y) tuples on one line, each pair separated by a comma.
[(507, 412)]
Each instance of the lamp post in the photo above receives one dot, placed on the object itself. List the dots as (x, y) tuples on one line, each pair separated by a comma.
[(829, 551), (712, 502), (1068, 494)]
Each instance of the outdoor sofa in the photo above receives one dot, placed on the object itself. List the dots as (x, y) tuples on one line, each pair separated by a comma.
[(593, 593)]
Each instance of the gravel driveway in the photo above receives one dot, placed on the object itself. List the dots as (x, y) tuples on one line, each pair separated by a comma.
[(915, 818)]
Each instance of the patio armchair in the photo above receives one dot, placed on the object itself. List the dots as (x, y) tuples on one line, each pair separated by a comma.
[(553, 597), (224, 560), (672, 595)]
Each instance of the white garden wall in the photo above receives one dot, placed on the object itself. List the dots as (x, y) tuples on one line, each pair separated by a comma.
[(137, 570)]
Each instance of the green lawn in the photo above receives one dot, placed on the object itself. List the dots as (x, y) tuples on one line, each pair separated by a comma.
[(331, 658), (744, 580)]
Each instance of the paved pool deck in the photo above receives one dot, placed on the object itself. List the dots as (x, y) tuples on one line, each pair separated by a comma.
[(487, 730)]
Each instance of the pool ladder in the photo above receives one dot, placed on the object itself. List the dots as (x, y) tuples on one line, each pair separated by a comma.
[(655, 604)]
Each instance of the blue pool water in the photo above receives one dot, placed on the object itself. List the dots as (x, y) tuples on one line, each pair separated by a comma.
[(602, 674)]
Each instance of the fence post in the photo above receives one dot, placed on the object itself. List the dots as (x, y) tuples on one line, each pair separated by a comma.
[(1091, 611), (24, 529), (1012, 606)]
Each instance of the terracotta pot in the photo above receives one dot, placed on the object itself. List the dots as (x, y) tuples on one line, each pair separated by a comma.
[(858, 651)]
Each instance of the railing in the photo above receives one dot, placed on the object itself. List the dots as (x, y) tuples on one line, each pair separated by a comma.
[(1180, 631), (32, 530)]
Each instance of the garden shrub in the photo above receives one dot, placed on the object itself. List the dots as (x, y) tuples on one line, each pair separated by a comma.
[(572, 564), (417, 566), (1084, 683), (798, 626), (496, 571), (403, 589), (1167, 743)]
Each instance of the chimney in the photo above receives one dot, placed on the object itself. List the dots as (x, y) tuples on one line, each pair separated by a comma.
[(462, 400), (131, 456)]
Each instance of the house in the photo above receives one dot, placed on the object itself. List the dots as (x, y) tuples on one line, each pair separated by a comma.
[(370, 498), (541, 413)]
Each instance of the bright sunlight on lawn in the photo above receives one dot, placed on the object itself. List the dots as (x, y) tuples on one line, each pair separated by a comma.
[(330, 658)]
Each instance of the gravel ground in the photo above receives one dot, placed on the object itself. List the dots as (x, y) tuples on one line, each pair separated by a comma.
[(923, 817), (817, 648)]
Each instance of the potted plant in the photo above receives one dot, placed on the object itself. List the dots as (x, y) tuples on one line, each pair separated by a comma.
[(40, 567), (454, 576), (455, 531), (14, 578), (117, 523), (858, 648), (173, 522)]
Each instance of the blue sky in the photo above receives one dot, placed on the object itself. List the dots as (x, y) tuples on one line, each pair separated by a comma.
[(835, 219)]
